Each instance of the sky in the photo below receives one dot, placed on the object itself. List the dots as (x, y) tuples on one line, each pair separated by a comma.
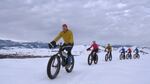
[(105, 21)]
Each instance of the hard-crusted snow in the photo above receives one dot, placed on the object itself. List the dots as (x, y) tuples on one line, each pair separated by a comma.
[(33, 71)]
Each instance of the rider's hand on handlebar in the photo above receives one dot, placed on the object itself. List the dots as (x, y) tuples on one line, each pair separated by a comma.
[(52, 44), (88, 49)]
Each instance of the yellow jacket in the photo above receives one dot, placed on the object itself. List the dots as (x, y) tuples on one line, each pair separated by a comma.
[(67, 36), (109, 48)]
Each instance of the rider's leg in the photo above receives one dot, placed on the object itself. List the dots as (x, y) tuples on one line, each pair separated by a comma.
[(92, 52), (69, 49), (137, 54), (110, 54), (124, 55), (96, 51), (63, 57), (130, 54)]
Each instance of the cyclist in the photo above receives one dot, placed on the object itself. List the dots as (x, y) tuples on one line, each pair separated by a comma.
[(109, 49), (67, 37), (95, 47), (129, 51), (122, 51), (136, 51)]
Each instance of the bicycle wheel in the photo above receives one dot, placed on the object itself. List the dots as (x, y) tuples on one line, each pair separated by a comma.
[(120, 57), (90, 59), (127, 56), (53, 67), (96, 59), (110, 57), (134, 56), (138, 56), (106, 57), (130, 56)]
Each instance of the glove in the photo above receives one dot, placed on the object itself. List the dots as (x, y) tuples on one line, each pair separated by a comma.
[(88, 49), (52, 44)]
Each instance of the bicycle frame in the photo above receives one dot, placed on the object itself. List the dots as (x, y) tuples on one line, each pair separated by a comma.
[(108, 53)]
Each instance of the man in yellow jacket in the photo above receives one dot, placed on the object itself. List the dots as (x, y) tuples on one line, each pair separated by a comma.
[(109, 49), (67, 36)]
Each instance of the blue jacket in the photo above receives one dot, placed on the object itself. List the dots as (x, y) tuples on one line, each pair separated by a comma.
[(122, 50), (136, 50)]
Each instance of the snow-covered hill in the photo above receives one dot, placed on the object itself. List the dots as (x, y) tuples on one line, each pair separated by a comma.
[(9, 44)]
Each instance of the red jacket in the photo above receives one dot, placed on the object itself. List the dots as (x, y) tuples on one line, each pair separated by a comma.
[(95, 46), (129, 50)]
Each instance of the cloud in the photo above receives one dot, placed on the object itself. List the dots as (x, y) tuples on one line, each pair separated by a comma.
[(117, 22)]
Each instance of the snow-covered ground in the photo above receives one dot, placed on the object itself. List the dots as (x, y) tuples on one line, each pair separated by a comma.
[(33, 71)]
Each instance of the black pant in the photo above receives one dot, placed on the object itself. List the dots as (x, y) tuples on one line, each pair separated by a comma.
[(94, 50), (109, 52), (68, 47), (123, 53), (130, 54)]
